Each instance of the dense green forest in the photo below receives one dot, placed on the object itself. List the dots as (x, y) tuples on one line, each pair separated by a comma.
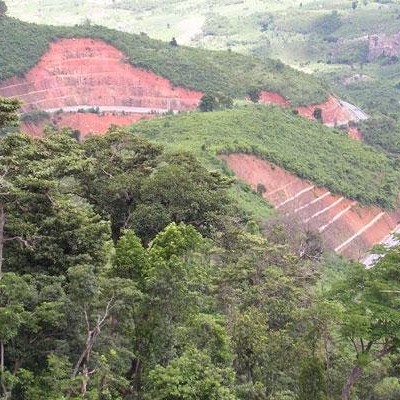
[(128, 272), (225, 72), (308, 149)]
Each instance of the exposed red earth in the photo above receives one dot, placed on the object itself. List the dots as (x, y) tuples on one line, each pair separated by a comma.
[(78, 72), (345, 226), (88, 72), (355, 133), (85, 123), (333, 112), (273, 98), (93, 123)]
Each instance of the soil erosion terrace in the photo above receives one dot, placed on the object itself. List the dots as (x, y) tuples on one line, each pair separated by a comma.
[(76, 72), (345, 226)]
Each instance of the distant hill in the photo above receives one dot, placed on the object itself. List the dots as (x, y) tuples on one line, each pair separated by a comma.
[(224, 72), (292, 30)]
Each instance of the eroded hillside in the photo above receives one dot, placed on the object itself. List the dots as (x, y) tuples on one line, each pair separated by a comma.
[(346, 226)]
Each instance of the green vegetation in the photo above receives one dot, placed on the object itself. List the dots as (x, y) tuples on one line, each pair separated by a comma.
[(383, 132), (303, 147), (35, 116), (166, 312), (223, 72), (136, 276), (129, 272), (8, 113)]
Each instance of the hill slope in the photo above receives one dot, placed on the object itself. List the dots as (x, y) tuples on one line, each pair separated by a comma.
[(303, 147), (225, 72)]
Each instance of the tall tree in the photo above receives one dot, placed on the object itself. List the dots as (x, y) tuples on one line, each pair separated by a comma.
[(370, 320), (8, 107)]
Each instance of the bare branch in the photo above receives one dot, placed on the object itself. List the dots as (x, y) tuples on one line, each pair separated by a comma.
[(355, 345), (107, 173), (20, 239), (86, 317), (109, 307)]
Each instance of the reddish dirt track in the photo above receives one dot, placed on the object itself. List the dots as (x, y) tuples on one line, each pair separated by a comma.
[(345, 226)]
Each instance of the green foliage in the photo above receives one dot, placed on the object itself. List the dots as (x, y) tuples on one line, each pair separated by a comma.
[(370, 320), (130, 258), (254, 94), (35, 116), (382, 132), (155, 191), (191, 376), (312, 384), (387, 389), (56, 227), (211, 102), (342, 165), (8, 111), (113, 191), (328, 23)]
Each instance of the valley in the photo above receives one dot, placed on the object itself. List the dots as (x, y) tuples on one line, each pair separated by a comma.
[(199, 199)]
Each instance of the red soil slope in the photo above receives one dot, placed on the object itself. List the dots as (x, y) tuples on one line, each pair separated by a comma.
[(345, 226), (77, 72), (273, 98), (85, 123), (82, 72), (333, 112), (355, 133)]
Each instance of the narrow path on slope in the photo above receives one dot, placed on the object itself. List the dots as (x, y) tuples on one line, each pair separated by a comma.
[(121, 109)]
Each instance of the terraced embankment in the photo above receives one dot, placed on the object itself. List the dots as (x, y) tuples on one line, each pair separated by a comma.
[(77, 72), (345, 226)]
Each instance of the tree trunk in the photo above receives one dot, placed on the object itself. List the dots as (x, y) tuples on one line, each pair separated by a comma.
[(85, 379), (2, 223), (353, 377), (3, 385)]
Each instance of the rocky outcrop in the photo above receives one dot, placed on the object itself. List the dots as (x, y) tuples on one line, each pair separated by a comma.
[(383, 45), (345, 226)]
